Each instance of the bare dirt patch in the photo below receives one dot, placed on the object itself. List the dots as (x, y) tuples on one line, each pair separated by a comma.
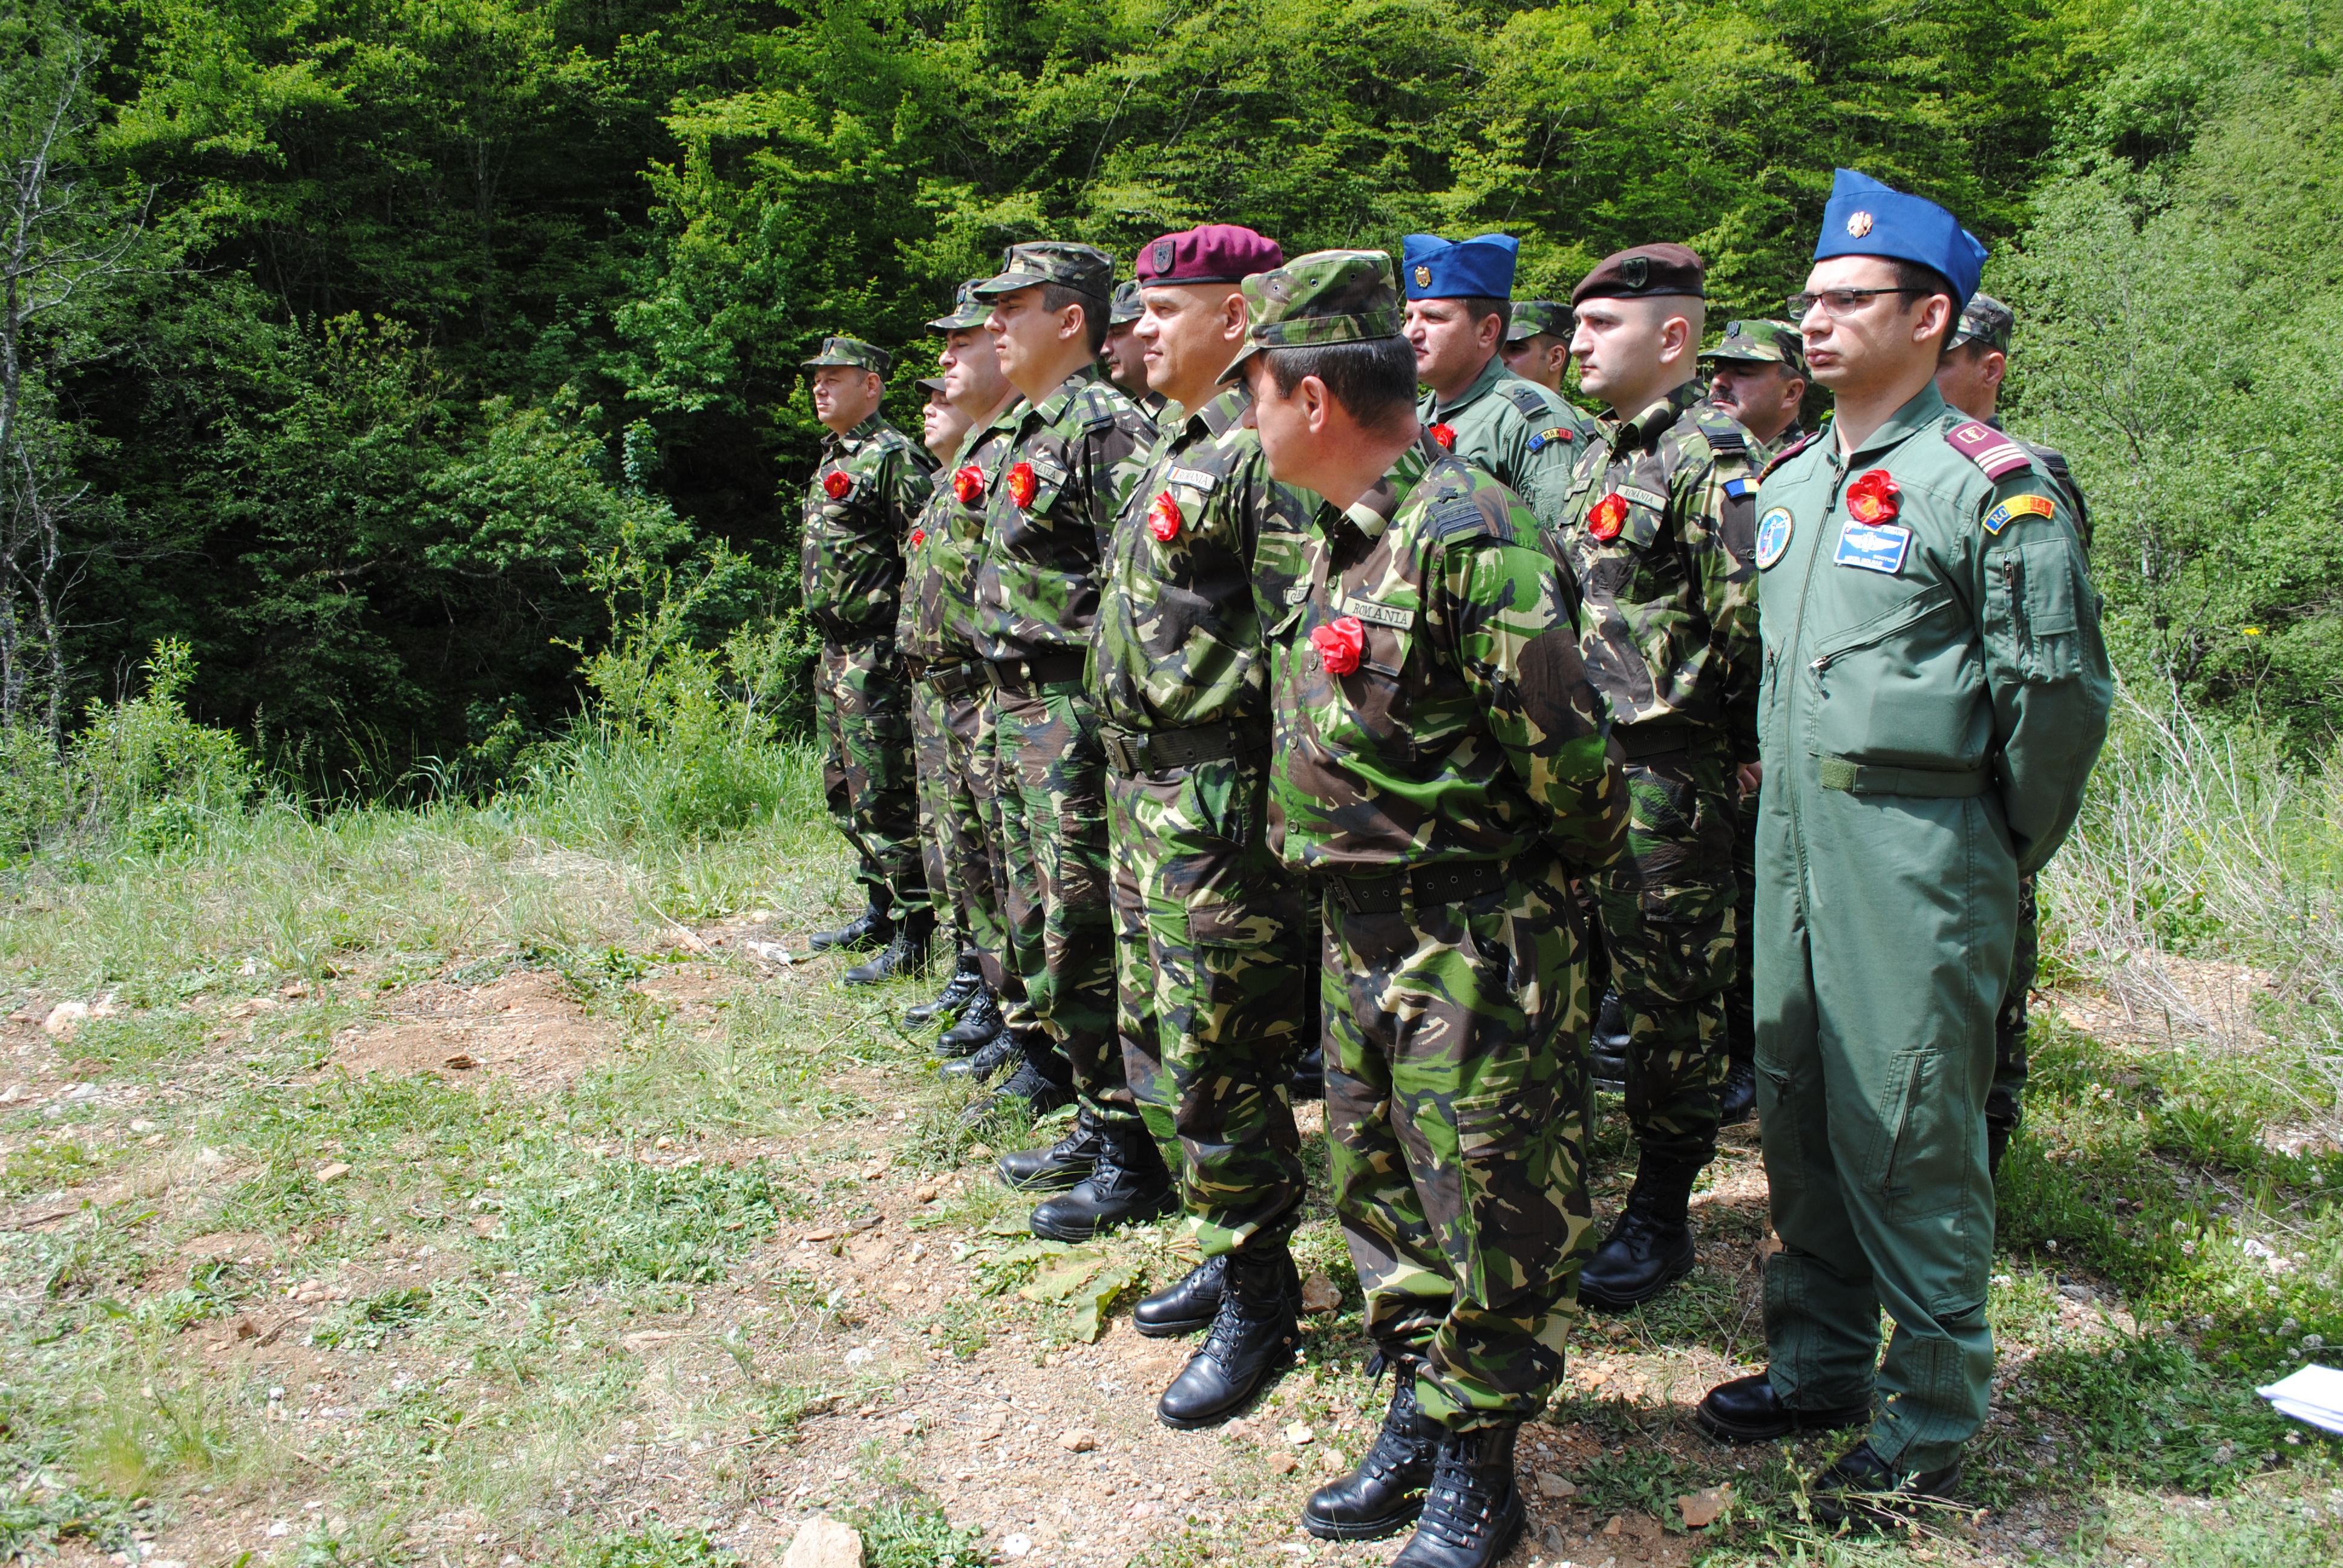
[(521, 1027)]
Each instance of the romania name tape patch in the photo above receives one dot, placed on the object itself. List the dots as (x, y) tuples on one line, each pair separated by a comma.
[(1397, 617), (1773, 536), (2016, 507), (1874, 547)]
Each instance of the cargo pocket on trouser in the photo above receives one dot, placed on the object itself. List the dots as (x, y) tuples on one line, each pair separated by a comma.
[(1511, 1229), (1921, 1166)]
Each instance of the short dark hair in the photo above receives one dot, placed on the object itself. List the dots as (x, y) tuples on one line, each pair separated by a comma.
[(1373, 380), (1056, 297), (1926, 280), (1480, 307)]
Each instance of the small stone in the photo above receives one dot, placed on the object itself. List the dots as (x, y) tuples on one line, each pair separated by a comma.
[(824, 1543), (1077, 1440), (664, 1143), (1016, 1545), (333, 1173), (1299, 1433), (1549, 1484), (461, 1061), (65, 1018), (925, 1193), (979, 1152), (2077, 1293), (1700, 1509), (1615, 1527), (1285, 1465), (142, 1127), (1318, 1294)]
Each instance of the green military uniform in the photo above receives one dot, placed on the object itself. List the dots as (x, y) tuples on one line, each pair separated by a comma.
[(1441, 762), (1525, 436), (872, 482), (1212, 932), (1669, 624), (1936, 691), (1071, 461)]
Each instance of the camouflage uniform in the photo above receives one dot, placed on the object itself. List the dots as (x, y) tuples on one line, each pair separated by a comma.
[(1515, 429), (1072, 460), (871, 483), (1531, 316), (1211, 930), (1670, 619), (1442, 785)]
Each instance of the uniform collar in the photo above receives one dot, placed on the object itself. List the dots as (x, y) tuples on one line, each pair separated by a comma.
[(1646, 427), (1219, 417), (853, 439), (1006, 419), (1050, 408), (1924, 410), (1490, 374), (1372, 513)]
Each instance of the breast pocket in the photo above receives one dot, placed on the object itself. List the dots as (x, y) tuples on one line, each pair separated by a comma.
[(1900, 689)]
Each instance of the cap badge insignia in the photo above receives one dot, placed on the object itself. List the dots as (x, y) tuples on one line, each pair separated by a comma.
[(1858, 224), (1023, 485), (1773, 536), (1445, 435), (1635, 271), (1340, 644), (1163, 256), (1872, 498), (1163, 518), (1607, 517), (968, 484), (836, 484), (1423, 276)]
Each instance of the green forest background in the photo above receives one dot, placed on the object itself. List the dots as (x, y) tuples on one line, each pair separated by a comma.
[(387, 354)]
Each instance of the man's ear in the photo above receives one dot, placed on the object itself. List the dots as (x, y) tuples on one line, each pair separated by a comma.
[(1936, 315), (1317, 405), (1073, 322), (1996, 365), (1232, 318), (1676, 336)]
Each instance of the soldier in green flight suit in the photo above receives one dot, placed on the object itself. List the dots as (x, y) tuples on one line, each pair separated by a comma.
[(1969, 378), (1670, 626), (1936, 691), (872, 482), (1077, 451), (1459, 299), (1756, 374), (1442, 765), (1538, 341)]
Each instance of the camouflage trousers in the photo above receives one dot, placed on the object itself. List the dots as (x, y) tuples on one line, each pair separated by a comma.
[(1456, 1111), (1057, 911), (1211, 964), (955, 842), (1668, 929), (2005, 1102), (862, 709)]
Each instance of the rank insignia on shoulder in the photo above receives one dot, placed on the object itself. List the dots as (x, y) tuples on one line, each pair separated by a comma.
[(1988, 448), (1773, 536), (1790, 451), (1540, 438), (2016, 507)]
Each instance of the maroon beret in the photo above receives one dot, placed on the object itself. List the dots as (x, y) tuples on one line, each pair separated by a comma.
[(1216, 252), (1645, 272)]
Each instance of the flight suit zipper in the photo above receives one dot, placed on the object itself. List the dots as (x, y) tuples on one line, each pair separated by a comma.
[(1797, 644)]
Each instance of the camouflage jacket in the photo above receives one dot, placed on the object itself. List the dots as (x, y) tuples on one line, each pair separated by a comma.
[(1179, 635), (946, 546), (1527, 437), (1467, 730), (1074, 459), (1667, 575), (872, 482)]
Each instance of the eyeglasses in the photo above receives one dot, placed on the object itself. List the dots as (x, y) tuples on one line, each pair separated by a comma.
[(1838, 302)]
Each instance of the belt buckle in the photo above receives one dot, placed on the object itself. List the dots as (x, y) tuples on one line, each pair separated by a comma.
[(1341, 887)]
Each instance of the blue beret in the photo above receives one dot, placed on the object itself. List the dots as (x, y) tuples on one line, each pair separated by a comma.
[(1432, 269), (1867, 219)]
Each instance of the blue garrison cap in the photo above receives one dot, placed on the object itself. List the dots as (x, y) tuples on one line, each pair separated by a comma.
[(1867, 219), (1433, 268)]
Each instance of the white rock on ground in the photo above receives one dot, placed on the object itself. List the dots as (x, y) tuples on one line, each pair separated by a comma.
[(825, 1544)]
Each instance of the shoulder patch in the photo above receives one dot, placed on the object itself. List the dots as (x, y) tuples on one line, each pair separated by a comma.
[(1458, 518), (1541, 439), (2016, 507), (1722, 431), (1790, 451), (1988, 448), (1528, 399), (1095, 410)]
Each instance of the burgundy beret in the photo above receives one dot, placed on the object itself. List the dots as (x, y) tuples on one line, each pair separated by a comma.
[(1216, 252), (1645, 272)]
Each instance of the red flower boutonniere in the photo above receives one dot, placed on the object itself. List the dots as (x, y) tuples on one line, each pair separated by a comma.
[(1609, 516), (1872, 498), (836, 484), (1163, 518), (1023, 485), (968, 484), (919, 537), (1446, 436), (1340, 644)]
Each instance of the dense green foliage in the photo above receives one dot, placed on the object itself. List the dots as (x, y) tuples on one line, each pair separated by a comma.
[(436, 304)]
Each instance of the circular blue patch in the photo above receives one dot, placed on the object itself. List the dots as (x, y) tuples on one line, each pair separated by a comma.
[(1773, 536)]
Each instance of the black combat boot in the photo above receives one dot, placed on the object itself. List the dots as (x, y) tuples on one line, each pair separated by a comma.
[(1060, 1166), (1252, 1340), (1383, 1495), (1309, 1082), (1607, 1061), (874, 927), (1029, 1089), (966, 981), (1472, 1513), (1130, 1182), (1748, 1410), (1650, 1246), (1864, 1490), (975, 1029), (1739, 1102), (905, 954), (1181, 1309), (999, 1049)]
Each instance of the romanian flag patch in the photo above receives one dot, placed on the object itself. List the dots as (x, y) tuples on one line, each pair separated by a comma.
[(2017, 506)]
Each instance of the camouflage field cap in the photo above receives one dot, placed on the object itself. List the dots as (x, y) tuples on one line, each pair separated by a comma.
[(966, 310), (1062, 261), (1326, 297), (1760, 343), (1126, 308), (1985, 320), (1531, 316), (853, 352)]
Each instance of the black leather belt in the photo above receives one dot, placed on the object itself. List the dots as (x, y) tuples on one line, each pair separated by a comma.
[(1434, 887), (1021, 675), (1640, 742), (956, 679), (1149, 750)]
